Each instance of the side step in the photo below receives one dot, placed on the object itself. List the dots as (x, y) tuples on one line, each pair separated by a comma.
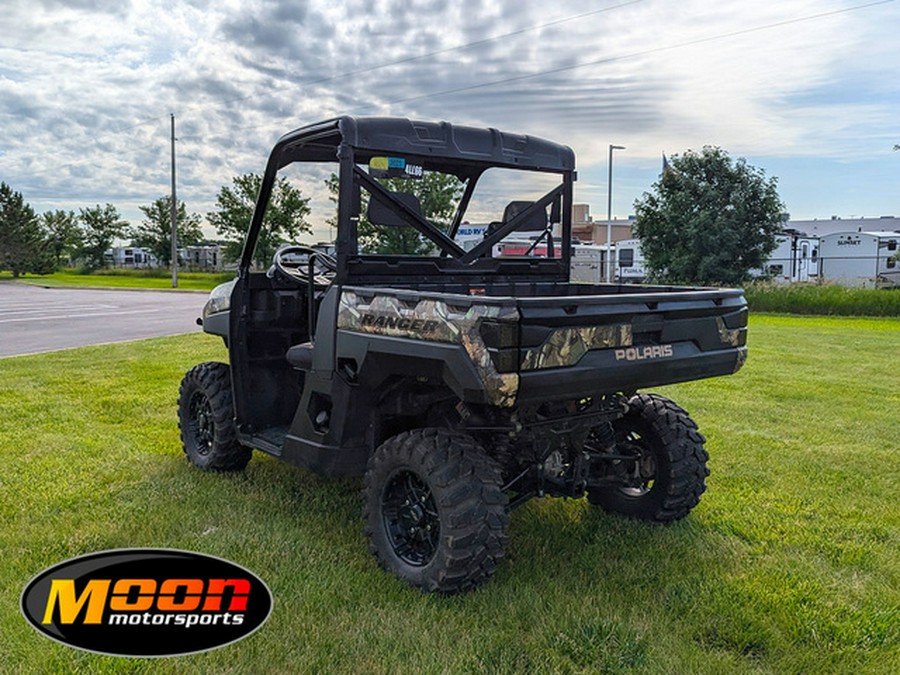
[(269, 440)]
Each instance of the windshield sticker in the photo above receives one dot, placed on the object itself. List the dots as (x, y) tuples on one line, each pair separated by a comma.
[(394, 167)]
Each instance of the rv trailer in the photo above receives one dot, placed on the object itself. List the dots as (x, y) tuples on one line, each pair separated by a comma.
[(861, 259), (795, 258), (630, 265)]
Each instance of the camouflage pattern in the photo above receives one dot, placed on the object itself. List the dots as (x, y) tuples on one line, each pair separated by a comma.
[(566, 346), (741, 359), (727, 335), (434, 320)]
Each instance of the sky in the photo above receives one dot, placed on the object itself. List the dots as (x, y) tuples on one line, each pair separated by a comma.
[(807, 90)]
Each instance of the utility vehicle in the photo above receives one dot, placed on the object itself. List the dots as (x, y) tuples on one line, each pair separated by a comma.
[(459, 383)]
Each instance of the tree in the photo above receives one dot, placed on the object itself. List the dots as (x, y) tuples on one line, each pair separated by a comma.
[(101, 226), (285, 217), (62, 233), (438, 194), (22, 245), (155, 231), (708, 220)]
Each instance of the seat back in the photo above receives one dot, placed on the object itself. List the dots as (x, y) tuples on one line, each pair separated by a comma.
[(536, 221), (381, 214)]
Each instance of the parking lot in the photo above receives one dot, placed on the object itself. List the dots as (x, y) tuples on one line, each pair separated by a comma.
[(34, 319)]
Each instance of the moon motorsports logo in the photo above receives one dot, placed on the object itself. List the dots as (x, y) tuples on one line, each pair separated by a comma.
[(146, 602)]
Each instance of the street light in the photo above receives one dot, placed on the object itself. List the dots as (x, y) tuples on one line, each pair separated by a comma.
[(609, 254)]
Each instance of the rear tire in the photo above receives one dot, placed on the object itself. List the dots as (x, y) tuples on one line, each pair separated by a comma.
[(670, 462), (206, 419), (435, 512)]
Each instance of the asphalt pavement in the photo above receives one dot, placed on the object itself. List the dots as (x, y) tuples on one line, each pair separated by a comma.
[(34, 319)]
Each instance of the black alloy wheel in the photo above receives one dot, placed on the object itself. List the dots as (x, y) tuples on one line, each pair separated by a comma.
[(666, 474), (206, 419), (410, 518), (435, 512)]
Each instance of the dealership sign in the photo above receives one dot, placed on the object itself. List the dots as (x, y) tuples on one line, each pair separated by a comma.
[(146, 602)]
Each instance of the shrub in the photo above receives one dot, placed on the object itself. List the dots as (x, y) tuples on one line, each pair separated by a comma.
[(828, 300)]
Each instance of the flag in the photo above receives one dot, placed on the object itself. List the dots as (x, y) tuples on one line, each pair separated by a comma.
[(667, 168)]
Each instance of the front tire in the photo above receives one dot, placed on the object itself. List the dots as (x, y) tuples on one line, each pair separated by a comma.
[(206, 419), (435, 512), (669, 465)]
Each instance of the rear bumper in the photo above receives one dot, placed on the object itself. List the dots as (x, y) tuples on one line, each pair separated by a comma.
[(604, 371)]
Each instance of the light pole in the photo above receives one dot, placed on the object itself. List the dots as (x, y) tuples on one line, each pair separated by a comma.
[(174, 261), (609, 253)]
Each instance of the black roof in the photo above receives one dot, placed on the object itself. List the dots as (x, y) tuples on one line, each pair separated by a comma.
[(372, 135)]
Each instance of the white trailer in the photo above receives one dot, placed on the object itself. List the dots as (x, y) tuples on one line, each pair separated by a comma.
[(864, 259), (630, 264), (795, 258), (588, 263)]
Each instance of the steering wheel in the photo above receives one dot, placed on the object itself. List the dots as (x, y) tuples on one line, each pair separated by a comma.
[(324, 265)]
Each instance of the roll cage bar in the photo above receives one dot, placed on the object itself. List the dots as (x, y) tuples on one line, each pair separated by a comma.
[(466, 152)]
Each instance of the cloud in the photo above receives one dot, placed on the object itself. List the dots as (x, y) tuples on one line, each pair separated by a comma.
[(86, 87)]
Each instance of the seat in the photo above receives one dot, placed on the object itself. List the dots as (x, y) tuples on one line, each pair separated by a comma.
[(381, 214), (535, 222)]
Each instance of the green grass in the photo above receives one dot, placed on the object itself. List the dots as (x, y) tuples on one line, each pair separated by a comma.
[(822, 300), (789, 564), (122, 278)]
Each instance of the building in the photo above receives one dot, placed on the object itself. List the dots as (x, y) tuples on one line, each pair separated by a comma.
[(582, 223), (821, 227), (590, 231)]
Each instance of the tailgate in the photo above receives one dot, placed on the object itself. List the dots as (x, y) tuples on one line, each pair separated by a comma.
[(590, 344)]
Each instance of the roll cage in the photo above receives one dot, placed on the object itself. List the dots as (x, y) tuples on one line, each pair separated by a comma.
[(465, 152)]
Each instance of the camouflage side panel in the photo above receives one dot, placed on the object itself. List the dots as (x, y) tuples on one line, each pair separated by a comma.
[(433, 320), (566, 346)]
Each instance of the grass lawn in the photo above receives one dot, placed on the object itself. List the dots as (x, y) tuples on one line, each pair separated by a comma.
[(791, 562), (155, 279)]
